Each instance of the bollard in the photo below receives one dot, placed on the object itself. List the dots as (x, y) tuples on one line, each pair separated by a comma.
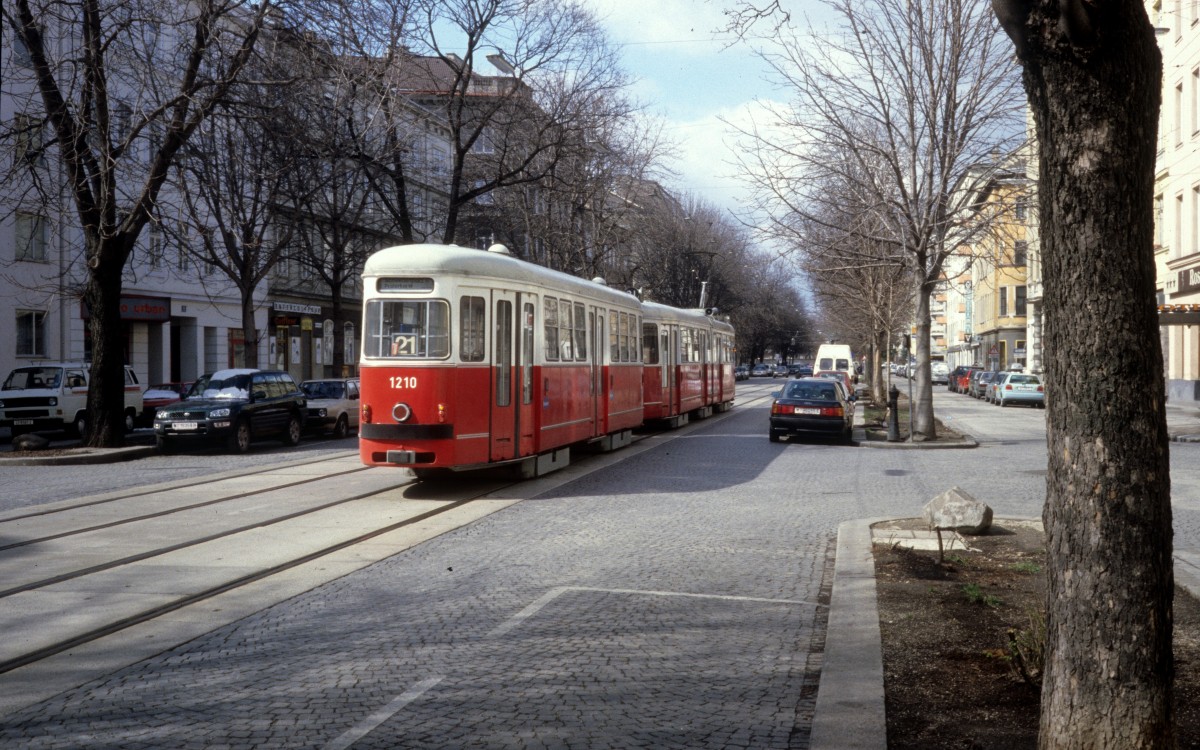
[(893, 414)]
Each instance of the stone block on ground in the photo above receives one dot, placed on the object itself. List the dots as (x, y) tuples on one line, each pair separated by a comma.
[(30, 442), (956, 510)]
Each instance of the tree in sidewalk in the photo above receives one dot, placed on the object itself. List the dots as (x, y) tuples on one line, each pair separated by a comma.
[(122, 87), (1093, 74), (912, 95)]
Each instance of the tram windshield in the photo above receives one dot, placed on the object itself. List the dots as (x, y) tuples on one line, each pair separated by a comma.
[(407, 329)]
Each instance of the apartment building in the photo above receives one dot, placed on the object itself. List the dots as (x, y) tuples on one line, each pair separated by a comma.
[(1177, 195)]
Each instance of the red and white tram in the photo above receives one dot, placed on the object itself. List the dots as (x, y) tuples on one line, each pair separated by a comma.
[(689, 364), (474, 358)]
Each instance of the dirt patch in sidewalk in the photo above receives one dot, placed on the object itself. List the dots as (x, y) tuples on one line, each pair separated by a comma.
[(949, 678)]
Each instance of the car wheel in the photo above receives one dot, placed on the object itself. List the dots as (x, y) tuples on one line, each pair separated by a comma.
[(130, 421), (164, 445), (292, 436), (239, 439), (1001, 402), (773, 437), (342, 428), (80, 426)]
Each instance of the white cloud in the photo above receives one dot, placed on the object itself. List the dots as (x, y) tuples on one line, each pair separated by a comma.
[(661, 22)]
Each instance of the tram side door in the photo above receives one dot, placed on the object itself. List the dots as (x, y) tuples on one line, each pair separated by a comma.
[(506, 375), (600, 387), (671, 381)]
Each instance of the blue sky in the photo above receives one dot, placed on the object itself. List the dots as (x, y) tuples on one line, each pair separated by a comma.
[(693, 76)]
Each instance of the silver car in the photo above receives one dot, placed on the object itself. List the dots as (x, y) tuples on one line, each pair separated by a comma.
[(1018, 388)]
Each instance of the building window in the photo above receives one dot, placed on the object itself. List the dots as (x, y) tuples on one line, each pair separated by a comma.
[(1178, 113), (1159, 229), (1003, 301), (31, 333), (31, 237), (1022, 209), (1020, 302), (31, 141), (1020, 252), (20, 52)]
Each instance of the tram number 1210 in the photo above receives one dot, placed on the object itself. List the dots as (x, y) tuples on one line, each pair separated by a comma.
[(400, 383)]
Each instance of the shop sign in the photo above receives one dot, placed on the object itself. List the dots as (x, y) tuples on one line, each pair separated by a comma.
[(133, 307), (1189, 280), (289, 307)]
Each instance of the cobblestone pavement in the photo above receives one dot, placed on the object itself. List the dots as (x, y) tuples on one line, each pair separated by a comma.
[(672, 600)]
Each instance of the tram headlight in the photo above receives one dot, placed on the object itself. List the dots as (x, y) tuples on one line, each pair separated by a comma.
[(401, 412), (441, 413), (365, 417)]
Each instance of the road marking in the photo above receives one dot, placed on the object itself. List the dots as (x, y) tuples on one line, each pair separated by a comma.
[(508, 625), (369, 724)]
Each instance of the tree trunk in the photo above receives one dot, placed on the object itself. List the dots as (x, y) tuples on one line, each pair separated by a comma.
[(106, 387), (924, 428), (249, 331), (1093, 80)]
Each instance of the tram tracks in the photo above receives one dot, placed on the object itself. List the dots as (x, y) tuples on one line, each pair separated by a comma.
[(100, 579)]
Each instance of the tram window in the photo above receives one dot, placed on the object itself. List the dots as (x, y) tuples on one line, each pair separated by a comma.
[(614, 338), (550, 306), (580, 333), (564, 330), (471, 328), (650, 343), (503, 358), (407, 329), (527, 355)]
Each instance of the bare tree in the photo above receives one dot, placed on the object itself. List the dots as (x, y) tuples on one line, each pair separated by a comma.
[(558, 76), (114, 80), (232, 183), (1093, 74), (912, 95)]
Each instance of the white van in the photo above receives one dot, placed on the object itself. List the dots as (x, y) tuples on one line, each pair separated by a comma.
[(834, 358), (53, 396)]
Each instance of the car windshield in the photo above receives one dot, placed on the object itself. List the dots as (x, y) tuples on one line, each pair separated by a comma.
[(324, 389), (24, 378), (812, 391), (231, 385)]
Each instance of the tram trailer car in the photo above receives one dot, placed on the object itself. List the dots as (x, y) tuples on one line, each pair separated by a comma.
[(689, 367), (472, 359)]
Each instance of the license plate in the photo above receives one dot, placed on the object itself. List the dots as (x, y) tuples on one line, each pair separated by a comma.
[(1024, 387), (184, 425), (805, 410), (22, 421)]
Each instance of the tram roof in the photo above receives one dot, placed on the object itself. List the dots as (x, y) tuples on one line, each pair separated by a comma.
[(655, 311), (440, 261)]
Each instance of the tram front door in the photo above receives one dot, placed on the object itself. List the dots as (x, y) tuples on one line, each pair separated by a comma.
[(512, 376)]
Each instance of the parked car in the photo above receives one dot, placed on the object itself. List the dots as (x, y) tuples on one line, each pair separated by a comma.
[(960, 378), (53, 396), (842, 379), (800, 371), (761, 371), (979, 383), (234, 407), (939, 373), (1019, 388), (741, 372), (159, 395), (332, 405), (812, 406), (780, 371)]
